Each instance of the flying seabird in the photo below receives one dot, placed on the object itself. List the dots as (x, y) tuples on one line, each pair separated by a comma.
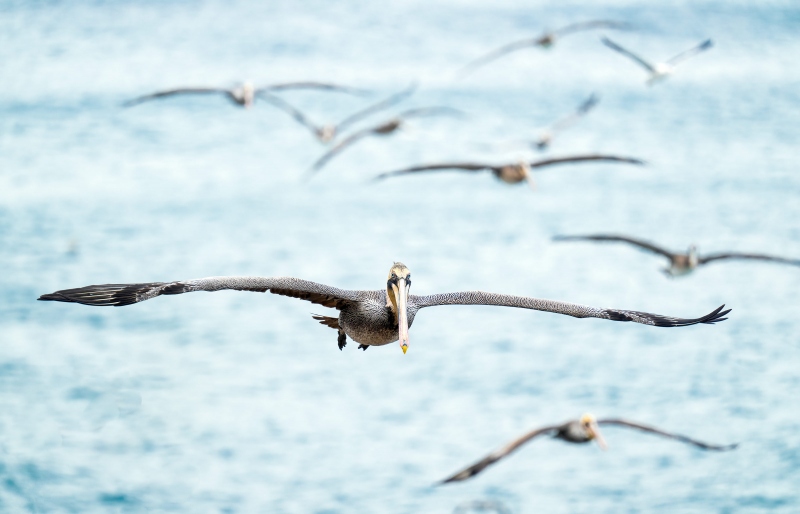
[(371, 318), (576, 431), (660, 70), (679, 263), (547, 135), (545, 40), (243, 94), (510, 173)]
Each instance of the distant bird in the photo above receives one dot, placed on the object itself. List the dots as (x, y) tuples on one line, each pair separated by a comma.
[(510, 173), (371, 318), (545, 40), (546, 136), (661, 70), (326, 133), (382, 129), (482, 506), (575, 431), (679, 263), (244, 94)]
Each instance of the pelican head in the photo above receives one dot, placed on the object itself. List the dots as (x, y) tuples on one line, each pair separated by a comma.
[(692, 254), (589, 424), (248, 93), (397, 287)]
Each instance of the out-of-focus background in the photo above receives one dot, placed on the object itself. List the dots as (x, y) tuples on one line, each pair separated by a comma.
[(240, 402)]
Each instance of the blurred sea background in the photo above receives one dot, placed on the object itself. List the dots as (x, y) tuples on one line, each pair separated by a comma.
[(239, 402)]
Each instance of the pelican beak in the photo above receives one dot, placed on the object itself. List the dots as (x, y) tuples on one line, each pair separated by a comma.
[(594, 431), (401, 293)]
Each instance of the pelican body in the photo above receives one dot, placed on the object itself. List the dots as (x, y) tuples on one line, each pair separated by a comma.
[(371, 318)]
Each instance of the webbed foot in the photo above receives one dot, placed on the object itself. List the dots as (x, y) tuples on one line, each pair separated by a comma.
[(342, 340), (363, 347)]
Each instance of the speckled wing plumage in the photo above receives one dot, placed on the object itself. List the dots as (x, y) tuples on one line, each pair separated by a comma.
[(119, 295), (677, 437), (570, 309), (498, 454)]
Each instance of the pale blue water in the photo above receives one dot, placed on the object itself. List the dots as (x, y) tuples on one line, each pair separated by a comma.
[(238, 402)]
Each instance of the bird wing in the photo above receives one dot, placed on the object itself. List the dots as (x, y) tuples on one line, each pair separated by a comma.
[(624, 239), (593, 24), (572, 118), (313, 85), (752, 256), (497, 455), (678, 437), (179, 91), (430, 111), (705, 45), (570, 309), (612, 45), (497, 53), (294, 112), (127, 294), (341, 145), (585, 158), (463, 166), (378, 106)]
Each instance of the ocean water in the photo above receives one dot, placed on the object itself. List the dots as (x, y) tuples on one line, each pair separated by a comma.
[(240, 402)]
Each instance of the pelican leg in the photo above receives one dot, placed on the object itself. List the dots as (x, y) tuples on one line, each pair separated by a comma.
[(342, 339), (363, 347)]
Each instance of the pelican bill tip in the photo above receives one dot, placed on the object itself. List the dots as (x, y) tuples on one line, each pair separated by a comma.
[(404, 347)]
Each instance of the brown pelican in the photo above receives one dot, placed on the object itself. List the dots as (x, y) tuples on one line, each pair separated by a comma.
[(679, 263), (382, 129), (576, 431), (545, 40), (243, 94), (660, 70), (371, 318), (326, 133), (547, 136), (510, 173)]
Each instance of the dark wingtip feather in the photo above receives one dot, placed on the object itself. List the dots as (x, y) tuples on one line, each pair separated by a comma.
[(53, 297)]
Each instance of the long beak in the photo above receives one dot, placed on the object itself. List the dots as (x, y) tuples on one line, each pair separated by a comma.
[(401, 292), (597, 436)]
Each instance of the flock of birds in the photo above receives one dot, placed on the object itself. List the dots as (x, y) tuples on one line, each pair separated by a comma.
[(383, 316)]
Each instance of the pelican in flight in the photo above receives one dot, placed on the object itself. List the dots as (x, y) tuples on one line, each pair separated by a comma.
[(680, 263), (660, 70), (576, 431), (546, 137), (382, 129), (244, 94), (370, 318), (326, 133), (510, 173), (545, 40)]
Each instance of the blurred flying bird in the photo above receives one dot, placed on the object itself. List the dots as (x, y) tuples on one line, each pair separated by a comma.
[(510, 173), (243, 94), (326, 133), (679, 263), (547, 135), (660, 70), (382, 129), (371, 318), (576, 431), (482, 506), (545, 40)]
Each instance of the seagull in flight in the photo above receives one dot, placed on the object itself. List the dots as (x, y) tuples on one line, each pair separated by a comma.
[(564, 123), (660, 70)]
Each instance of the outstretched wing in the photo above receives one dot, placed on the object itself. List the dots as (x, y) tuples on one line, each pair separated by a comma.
[(677, 437), (571, 119), (586, 158), (498, 53), (593, 24), (118, 295), (462, 166), (702, 47), (570, 309), (430, 111), (179, 91), (612, 45), (497, 455), (295, 113), (341, 145), (325, 86), (378, 106), (748, 256), (624, 239)]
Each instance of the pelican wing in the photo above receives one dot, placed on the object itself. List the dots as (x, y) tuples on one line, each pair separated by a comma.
[(702, 47), (590, 25), (341, 145), (751, 256), (624, 239), (570, 309), (179, 91), (295, 113), (497, 455), (463, 166), (586, 158), (498, 53), (378, 106), (612, 45), (678, 437), (314, 85), (118, 295), (570, 120)]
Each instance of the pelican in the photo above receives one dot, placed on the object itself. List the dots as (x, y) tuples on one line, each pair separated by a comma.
[(381, 129), (546, 137), (661, 70), (545, 40), (326, 133), (370, 318), (244, 94), (575, 431), (510, 173), (680, 263)]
